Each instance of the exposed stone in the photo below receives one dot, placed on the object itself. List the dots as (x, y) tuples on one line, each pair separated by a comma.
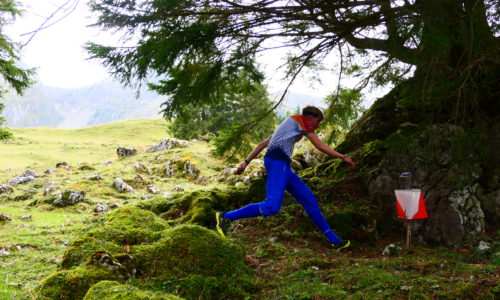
[(138, 178), (85, 166), (26, 217), (139, 167), (21, 180), (122, 187), (49, 188), (4, 218), (107, 162), (202, 180), (94, 177), (50, 171), (178, 188), (29, 173), (144, 197), (101, 208), (125, 152), (69, 197), (391, 250), (167, 143), (63, 165), (169, 168), (5, 189), (483, 246), (190, 170), (153, 189)]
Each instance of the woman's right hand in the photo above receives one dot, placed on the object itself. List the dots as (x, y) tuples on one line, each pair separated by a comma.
[(241, 168)]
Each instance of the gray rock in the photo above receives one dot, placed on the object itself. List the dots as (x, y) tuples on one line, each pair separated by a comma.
[(107, 163), (26, 217), (4, 218), (29, 173), (101, 208), (167, 143), (190, 170), (122, 187), (391, 250), (5, 189), (144, 197), (153, 189), (202, 180), (48, 188), (94, 177), (125, 152), (69, 197), (50, 171), (114, 205), (483, 246), (63, 165), (139, 167), (169, 168), (21, 180), (178, 188)]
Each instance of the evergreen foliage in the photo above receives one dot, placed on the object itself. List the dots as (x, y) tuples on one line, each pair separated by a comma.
[(344, 108), (243, 104), (12, 75), (200, 47)]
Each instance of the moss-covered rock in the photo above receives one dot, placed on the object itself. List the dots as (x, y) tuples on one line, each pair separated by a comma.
[(73, 284), (114, 290), (198, 261), (128, 225)]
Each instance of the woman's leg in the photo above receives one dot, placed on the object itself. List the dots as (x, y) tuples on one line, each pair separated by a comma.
[(299, 190), (277, 173)]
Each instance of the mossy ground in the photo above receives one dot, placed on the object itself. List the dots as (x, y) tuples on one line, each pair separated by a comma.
[(289, 257)]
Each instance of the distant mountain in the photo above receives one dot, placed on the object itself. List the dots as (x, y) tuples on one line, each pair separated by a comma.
[(100, 103)]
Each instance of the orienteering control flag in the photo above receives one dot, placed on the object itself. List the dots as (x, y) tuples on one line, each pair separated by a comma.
[(410, 204)]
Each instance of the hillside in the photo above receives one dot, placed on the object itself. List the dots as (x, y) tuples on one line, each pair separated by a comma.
[(50, 247)]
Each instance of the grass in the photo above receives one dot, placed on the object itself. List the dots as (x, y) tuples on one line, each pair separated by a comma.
[(291, 259)]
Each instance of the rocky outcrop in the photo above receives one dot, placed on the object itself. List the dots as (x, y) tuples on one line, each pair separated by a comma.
[(21, 180), (122, 187), (167, 143), (450, 185), (69, 197), (5, 189), (125, 152)]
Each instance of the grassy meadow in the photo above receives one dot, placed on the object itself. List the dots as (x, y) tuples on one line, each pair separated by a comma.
[(289, 257)]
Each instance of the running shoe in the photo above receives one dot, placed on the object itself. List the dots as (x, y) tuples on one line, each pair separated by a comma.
[(341, 246), (222, 223)]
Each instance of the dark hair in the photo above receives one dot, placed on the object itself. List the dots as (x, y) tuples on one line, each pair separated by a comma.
[(312, 111)]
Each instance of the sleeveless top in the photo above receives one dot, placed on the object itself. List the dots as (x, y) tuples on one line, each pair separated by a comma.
[(284, 138)]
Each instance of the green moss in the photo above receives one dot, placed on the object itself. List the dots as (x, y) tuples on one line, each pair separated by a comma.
[(191, 253), (115, 290), (73, 284), (128, 225)]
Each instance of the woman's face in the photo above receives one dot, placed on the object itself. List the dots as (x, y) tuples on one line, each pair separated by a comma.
[(314, 122)]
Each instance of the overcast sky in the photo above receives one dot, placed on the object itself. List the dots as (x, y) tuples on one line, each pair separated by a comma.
[(61, 61)]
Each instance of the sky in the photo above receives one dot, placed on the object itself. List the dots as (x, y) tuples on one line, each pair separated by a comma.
[(61, 61)]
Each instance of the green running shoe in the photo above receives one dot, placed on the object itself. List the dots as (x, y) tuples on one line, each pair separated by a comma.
[(222, 224), (341, 246)]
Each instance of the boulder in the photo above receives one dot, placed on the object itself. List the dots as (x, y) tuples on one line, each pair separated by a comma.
[(101, 208), (63, 165), (167, 143), (178, 188), (4, 218), (94, 177), (153, 189), (125, 152), (139, 167), (169, 168), (114, 290), (122, 187), (29, 173), (189, 169), (5, 189), (21, 180), (69, 197), (49, 188), (85, 166)]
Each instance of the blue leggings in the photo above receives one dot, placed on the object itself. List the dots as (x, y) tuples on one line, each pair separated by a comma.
[(280, 177)]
